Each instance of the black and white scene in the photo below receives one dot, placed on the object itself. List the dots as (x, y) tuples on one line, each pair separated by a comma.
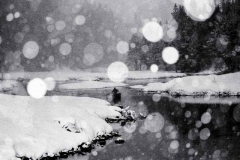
[(119, 79)]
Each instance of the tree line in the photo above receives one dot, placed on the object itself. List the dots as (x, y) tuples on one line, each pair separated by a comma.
[(212, 44)]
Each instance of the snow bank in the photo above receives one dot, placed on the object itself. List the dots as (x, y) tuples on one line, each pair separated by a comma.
[(12, 87), (86, 76), (151, 75), (34, 128), (6, 85), (208, 72), (227, 84), (90, 85), (56, 75)]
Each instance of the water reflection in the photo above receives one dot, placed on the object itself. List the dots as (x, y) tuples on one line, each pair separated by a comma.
[(175, 128)]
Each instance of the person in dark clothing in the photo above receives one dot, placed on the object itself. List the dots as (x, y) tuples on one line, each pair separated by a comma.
[(116, 96)]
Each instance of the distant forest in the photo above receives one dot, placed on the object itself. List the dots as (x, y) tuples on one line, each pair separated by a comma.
[(38, 22), (212, 44)]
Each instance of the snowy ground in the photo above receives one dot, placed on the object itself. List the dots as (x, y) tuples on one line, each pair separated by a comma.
[(73, 80), (89, 85), (208, 72), (198, 85), (151, 75), (7, 85), (12, 87), (85, 76), (33, 128)]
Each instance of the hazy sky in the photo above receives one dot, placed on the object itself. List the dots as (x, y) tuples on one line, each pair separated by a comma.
[(126, 9)]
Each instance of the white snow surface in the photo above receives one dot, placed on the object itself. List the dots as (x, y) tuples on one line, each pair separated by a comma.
[(33, 128), (7, 84), (198, 85), (86, 76), (90, 85), (208, 72), (152, 75)]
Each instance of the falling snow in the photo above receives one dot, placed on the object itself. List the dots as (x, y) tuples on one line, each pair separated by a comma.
[(37, 88), (120, 81), (65, 49), (122, 47), (199, 10), (80, 20), (30, 49), (117, 72), (170, 55), (152, 31)]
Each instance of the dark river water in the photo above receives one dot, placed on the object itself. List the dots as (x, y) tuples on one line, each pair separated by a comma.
[(175, 128)]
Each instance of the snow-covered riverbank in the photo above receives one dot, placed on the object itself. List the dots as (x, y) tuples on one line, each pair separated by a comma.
[(86, 76), (15, 83), (90, 85), (8, 85), (224, 85), (37, 128)]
